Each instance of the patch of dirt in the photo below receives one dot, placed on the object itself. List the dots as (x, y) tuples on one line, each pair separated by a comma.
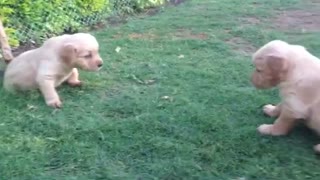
[(187, 34), (301, 20), (115, 21), (250, 20), (99, 25), (142, 36), (241, 46), (117, 36), (146, 36)]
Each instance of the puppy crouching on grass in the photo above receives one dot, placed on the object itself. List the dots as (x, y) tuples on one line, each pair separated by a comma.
[(55, 62), (296, 73)]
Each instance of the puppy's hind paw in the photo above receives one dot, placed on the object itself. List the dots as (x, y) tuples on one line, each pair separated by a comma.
[(270, 129), (75, 83), (265, 129), (54, 103), (270, 110)]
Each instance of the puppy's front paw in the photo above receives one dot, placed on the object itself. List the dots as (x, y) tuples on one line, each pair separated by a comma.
[(265, 129), (75, 83), (270, 110), (270, 129), (56, 103)]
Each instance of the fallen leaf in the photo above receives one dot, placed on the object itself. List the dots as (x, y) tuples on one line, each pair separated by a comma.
[(134, 77), (167, 98), (30, 107), (52, 139), (118, 49), (151, 81)]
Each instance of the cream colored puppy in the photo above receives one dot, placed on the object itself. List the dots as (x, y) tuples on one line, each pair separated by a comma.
[(297, 74), (55, 62)]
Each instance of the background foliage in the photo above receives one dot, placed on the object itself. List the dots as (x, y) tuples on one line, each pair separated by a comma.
[(36, 20)]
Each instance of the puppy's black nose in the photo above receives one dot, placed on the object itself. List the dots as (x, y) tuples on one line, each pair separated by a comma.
[(100, 65)]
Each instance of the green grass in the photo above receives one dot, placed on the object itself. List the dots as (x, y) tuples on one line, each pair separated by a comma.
[(118, 127)]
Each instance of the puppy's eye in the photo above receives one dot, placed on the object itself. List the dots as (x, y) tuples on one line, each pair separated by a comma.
[(88, 56), (258, 70)]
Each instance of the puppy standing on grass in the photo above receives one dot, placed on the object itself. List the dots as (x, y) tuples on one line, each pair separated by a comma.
[(55, 62), (297, 74)]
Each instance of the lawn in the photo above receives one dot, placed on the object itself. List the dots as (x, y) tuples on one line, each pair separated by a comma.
[(173, 101)]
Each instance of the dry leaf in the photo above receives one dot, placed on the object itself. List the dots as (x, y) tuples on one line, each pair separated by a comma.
[(30, 107), (151, 81), (134, 77), (52, 139), (118, 49), (167, 98)]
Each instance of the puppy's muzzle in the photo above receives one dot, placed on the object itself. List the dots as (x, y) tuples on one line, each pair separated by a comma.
[(99, 64), (255, 82)]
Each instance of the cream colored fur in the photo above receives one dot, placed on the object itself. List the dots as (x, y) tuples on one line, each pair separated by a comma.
[(297, 74), (55, 62)]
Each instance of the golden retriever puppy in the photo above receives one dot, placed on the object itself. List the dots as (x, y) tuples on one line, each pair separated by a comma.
[(297, 74), (55, 62)]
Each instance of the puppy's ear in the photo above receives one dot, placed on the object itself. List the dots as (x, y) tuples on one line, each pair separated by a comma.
[(278, 66), (277, 63), (68, 52)]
